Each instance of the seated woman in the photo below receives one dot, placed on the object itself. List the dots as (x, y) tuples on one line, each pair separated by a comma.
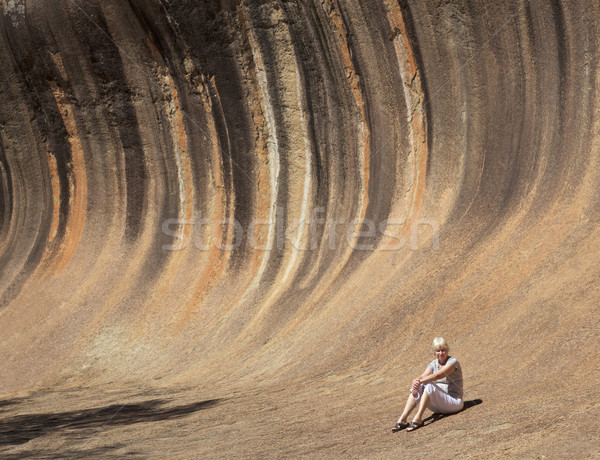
[(439, 388)]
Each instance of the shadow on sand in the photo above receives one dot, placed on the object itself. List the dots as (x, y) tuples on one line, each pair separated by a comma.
[(20, 429), (435, 417)]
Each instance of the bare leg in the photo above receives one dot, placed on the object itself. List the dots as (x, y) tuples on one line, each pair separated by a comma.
[(423, 404), (410, 405)]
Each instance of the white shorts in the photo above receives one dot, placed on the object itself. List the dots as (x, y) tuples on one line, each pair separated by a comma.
[(440, 402)]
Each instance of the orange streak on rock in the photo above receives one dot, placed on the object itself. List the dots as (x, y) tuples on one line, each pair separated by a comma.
[(60, 65), (417, 122), (345, 52), (182, 153), (55, 183), (184, 175), (217, 260), (77, 183)]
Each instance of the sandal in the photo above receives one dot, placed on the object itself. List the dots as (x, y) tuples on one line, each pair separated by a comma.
[(414, 426), (399, 426)]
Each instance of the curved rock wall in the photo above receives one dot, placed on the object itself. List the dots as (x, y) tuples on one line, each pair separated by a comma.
[(246, 192), (186, 177)]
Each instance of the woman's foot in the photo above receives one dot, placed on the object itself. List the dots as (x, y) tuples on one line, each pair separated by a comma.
[(399, 426), (414, 426)]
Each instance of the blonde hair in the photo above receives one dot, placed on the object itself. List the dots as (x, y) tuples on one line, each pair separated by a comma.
[(439, 342)]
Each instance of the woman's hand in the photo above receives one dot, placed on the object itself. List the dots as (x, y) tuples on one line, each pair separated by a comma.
[(415, 387), (419, 381)]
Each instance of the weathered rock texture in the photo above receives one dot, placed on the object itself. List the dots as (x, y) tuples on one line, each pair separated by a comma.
[(276, 205)]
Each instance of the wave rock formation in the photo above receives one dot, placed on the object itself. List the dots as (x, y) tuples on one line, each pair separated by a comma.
[(280, 203)]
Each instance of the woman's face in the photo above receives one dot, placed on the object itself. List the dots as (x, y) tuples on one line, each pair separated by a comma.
[(441, 354)]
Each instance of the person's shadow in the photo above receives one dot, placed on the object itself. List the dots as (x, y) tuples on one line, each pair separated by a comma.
[(435, 416)]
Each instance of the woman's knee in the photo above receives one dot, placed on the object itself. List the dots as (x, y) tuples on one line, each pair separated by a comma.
[(430, 388)]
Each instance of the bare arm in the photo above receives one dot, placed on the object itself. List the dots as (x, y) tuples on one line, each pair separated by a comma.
[(432, 377), (427, 372)]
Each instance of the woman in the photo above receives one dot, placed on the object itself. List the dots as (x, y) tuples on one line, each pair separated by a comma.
[(439, 388)]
